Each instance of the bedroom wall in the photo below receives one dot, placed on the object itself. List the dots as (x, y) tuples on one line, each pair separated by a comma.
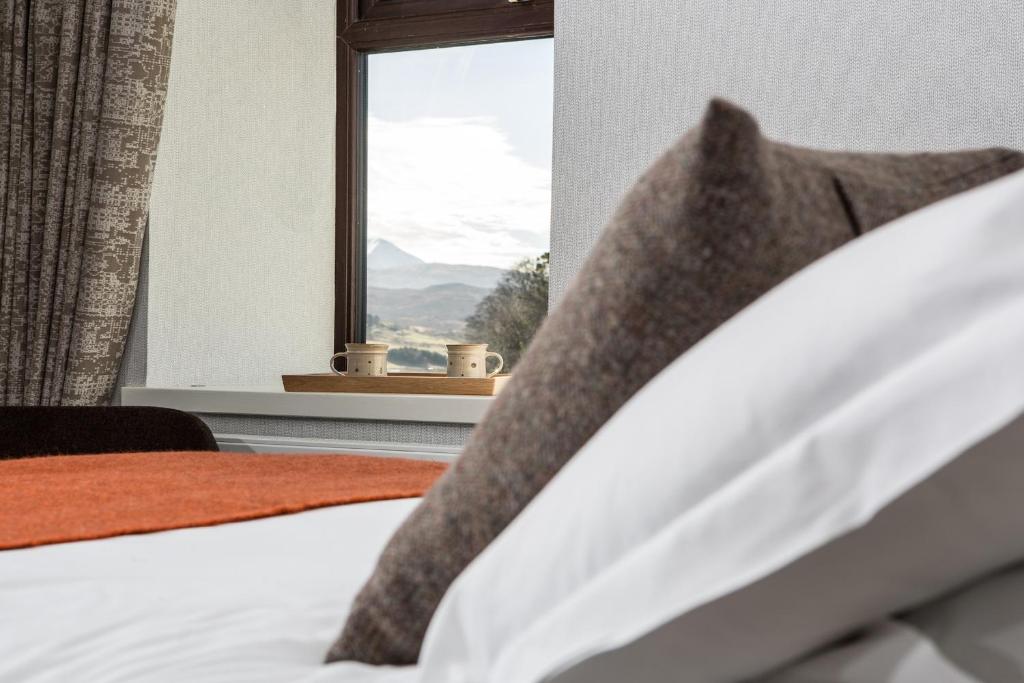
[(244, 195), (241, 237), (866, 75)]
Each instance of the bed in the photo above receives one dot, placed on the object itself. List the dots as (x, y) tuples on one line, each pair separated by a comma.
[(235, 602), (245, 602)]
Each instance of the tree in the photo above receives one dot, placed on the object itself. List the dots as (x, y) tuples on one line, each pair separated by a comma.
[(507, 318)]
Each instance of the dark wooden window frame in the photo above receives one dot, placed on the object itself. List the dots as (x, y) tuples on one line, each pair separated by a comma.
[(367, 26)]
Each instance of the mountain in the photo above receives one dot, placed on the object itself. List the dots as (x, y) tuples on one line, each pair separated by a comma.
[(438, 307), (422, 275), (391, 267), (383, 254)]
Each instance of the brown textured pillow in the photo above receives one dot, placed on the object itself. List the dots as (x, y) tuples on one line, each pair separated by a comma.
[(721, 218)]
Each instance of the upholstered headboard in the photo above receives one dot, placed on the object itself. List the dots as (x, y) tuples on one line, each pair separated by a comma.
[(895, 75)]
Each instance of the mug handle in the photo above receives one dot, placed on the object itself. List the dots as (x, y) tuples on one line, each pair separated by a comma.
[(501, 363), (336, 371)]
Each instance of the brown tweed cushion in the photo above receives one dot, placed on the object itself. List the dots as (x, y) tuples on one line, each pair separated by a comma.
[(721, 218)]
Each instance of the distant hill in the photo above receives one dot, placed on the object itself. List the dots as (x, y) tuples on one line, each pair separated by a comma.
[(421, 275), (383, 254), (390, 267), (440, 308)]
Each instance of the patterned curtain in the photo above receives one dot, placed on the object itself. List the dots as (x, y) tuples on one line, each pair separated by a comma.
[(83, 84)]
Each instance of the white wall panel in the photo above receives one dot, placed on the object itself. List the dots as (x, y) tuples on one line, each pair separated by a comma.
[(630, 77), (241, 233)]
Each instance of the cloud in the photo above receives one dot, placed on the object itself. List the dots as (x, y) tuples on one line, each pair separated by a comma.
[(452, 190)]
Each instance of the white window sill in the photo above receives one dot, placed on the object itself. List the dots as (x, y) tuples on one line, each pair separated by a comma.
[(271, 400)]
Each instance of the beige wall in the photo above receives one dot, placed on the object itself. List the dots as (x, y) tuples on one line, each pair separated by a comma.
[(241, 231)]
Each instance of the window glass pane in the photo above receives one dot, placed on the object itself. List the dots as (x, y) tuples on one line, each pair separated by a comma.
[(458, 198)]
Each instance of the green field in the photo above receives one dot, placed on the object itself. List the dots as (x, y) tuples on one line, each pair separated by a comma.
[(415, 337)]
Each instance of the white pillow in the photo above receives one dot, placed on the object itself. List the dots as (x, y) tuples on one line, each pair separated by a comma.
[(972, 636), (795, 423)]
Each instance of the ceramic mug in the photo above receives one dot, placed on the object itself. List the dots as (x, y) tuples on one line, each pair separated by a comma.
[(364, 360), (470, 360)]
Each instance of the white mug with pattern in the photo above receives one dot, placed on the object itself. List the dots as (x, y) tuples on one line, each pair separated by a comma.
[(470, 360), (364, 360)]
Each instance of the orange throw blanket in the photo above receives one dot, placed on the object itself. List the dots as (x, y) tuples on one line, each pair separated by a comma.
[(78, 497)]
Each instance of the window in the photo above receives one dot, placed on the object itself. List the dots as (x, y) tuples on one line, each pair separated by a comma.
[(444, 152), (458, 194)]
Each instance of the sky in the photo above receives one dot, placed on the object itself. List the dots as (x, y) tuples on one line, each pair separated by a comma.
[(459, 151)]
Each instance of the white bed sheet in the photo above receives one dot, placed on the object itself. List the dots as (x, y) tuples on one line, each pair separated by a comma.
[(252, 601), (261, 601)]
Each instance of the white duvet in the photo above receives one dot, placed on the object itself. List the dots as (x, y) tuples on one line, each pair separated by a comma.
[(261, 601), (252, 601)]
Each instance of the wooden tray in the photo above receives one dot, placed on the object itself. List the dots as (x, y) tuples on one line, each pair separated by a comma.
[(396, 383)]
